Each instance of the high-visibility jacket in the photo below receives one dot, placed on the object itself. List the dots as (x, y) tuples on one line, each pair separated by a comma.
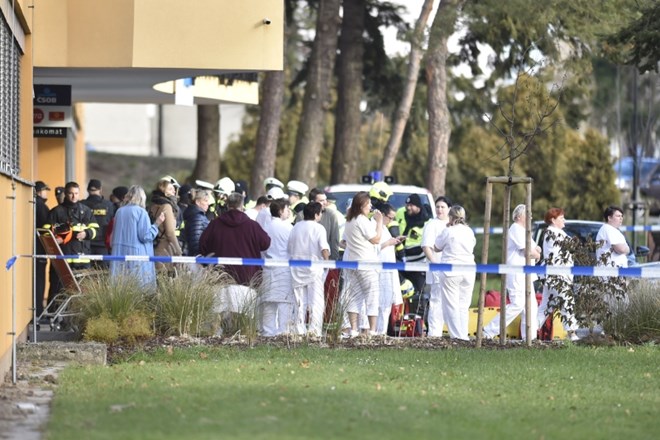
[(412, 227), (81, 219)]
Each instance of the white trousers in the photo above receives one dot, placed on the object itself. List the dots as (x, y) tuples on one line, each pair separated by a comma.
[(309, 298), (277, 318), (362, 289), (515, 308), (435, 318), (456, 298), (548, 305), (389, 282)]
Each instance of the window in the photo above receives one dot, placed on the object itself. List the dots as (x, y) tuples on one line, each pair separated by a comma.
[(10, 54)]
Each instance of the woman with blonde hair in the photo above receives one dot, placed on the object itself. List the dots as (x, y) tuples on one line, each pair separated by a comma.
[(362, 238), (163, 201), (456, 242), (133, 234)]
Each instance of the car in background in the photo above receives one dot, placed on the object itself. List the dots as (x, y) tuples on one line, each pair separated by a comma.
[(584, 230), (649, 187), (344, 193), (624, 171)]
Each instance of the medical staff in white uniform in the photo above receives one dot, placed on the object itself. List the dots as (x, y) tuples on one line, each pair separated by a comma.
[(432, 230), (515, 283), (308, 242), (362, 241), (553, 237), (277, 301), (457, 244), (615, 249)]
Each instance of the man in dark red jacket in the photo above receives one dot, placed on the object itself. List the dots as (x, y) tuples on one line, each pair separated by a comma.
[(235, 235)]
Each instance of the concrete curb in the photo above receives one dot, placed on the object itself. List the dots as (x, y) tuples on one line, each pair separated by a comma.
[(89, 353)]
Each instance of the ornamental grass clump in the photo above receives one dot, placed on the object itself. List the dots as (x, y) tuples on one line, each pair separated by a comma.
[(111, 307), (337, 321), (637, 318), (185, 302)]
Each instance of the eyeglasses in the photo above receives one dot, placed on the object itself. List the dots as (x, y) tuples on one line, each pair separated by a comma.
[(391, 218)]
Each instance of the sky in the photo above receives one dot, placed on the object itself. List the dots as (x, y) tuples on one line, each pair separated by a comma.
[(414, 7)]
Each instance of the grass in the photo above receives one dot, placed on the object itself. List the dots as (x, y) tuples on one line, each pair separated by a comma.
[(308, 392)]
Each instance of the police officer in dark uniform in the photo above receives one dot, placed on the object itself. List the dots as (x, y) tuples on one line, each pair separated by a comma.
[(104, 211), (41, 191)]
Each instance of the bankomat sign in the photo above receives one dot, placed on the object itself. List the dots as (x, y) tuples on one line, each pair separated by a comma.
[(52, 110)]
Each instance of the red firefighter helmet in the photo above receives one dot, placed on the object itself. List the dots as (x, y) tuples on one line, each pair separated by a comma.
[(64, 231)]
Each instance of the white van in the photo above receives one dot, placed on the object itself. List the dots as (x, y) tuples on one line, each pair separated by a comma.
[(344, 194)]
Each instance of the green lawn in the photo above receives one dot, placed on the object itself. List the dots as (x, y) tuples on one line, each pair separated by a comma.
[(309, 392)]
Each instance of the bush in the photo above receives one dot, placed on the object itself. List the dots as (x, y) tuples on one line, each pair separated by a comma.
[(586, 297), (136, 327), (101, 329), (185, 302), (636, 319), (118, 304)]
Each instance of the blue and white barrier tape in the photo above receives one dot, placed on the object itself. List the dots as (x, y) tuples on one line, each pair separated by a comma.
[(635, 272), (637, 228)]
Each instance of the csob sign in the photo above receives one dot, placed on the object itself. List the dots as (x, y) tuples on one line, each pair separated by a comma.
[(52, 95), (51, 110)]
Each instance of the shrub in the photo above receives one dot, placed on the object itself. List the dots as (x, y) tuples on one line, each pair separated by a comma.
[(109, 303), (101, 329), (636, 319), (185, 302), (136, 327)]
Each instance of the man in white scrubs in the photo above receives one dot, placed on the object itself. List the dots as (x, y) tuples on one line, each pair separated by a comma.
[(308, 242), (515, 283)]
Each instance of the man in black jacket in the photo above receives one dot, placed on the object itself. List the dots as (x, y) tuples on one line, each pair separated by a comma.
[(104, 211), (41, 191), (75, 226)]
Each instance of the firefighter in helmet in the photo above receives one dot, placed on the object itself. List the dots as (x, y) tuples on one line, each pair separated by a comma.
[(380, 193)]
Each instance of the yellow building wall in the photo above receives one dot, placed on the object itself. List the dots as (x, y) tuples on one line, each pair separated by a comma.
[(49, 165), (17, 217), (160, 34)]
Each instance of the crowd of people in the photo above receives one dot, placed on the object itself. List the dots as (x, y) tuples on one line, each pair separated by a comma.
[(294, 222)]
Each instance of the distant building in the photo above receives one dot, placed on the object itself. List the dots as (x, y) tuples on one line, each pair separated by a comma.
[(135, 129)]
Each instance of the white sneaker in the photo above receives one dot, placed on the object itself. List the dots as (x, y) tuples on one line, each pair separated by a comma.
[(350, 334)]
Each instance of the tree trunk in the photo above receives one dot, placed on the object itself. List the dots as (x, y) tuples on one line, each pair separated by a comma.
[(207, 164), (349, 94), (436, 75), (309, 139), (403, 109), (272, 94)]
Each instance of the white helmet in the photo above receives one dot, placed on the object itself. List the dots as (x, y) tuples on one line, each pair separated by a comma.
[(271, 182), (224, 186), (297, 186), (276, 193), (204, 184)]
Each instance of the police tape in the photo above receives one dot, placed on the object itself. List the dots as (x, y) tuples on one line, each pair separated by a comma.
[(637, 228), (652, 271)]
